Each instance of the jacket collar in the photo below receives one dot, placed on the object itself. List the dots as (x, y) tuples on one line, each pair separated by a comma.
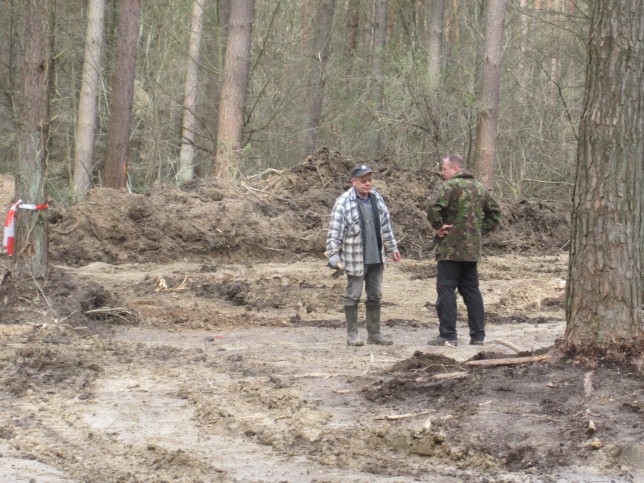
[(464, 173)]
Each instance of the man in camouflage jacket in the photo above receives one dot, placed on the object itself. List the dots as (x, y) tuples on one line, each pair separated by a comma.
[(461, 212), (359, 238)]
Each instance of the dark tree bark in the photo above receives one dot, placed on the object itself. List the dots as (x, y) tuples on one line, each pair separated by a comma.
[(434, 62), (351, 33), (604, 290), (210, 104), (31, 237), (378, 43), (317, 77), (234, 88), (118, 135), (488, 100)]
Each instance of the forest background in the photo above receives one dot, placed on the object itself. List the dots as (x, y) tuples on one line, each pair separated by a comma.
[(377, 97)]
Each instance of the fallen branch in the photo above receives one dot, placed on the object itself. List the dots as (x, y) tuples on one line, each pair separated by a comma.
[(509, 344), (451, 375), (314, 374), (269, 170), (588, 384), (42, 292), (311, 234), (394, 417), (508, 361), (162, 285), (250, 188)]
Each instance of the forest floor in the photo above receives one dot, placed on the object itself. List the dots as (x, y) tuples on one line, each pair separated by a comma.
[(195, 335)]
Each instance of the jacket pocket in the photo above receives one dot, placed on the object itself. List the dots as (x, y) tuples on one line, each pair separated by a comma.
[(353, 228)]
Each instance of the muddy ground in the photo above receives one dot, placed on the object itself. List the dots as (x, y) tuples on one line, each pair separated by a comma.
[(195, 335)]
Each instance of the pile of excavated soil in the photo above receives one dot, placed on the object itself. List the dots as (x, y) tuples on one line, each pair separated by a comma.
[(280, 216)]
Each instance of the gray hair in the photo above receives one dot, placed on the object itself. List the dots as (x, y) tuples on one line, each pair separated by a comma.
[(456, 160)]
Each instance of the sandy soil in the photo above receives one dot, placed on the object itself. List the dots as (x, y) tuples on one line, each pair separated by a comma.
[(241, 373), (195, 335)]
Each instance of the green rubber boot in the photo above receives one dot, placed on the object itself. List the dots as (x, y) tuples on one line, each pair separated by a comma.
[(351, 315), (373, 327)]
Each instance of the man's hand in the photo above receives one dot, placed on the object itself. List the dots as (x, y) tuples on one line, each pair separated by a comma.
[(334, 260), (396, 257), (443, 230)]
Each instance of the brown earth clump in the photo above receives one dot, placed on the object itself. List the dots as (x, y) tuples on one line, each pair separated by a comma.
[(281, 215)]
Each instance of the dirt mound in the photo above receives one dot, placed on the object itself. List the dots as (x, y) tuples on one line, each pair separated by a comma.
[(61, 299), (280, 216), (528, 417)]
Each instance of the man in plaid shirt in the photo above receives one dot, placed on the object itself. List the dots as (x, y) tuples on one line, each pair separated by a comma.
[(360, 237)]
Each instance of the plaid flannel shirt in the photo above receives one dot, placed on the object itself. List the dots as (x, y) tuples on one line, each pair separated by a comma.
[(345, 231)]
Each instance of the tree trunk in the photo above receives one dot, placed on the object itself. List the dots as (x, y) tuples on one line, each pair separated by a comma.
[(118, 135), (215, 52), (186, 156), (523, 34), (317, 77), (31, 237), (488, 100), (88, 102), (477, 13), (605, 281), (379, 41), (434, 57), (351, 35), (233, 90)]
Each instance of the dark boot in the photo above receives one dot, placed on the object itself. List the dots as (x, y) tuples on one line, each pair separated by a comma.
[(373, 327), (351, 315)]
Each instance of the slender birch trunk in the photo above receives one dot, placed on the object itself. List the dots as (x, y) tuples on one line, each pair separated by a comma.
[(88, 103), (187, 153)]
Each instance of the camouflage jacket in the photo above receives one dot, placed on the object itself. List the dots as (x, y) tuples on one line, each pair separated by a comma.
[(465, 203)]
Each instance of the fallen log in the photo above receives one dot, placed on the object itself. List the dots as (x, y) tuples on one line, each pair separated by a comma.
[(508, 361)]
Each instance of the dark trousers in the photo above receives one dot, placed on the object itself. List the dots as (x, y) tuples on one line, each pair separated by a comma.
[(372, 280), (465, 277)]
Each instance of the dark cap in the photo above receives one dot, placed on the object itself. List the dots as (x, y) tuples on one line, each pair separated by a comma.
[(361, 170)]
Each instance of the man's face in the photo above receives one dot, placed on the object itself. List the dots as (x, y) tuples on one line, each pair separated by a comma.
[(447, 170), (363, 184)]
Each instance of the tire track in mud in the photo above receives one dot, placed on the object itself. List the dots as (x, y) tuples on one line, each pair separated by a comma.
[(261, 395), (225, 414)]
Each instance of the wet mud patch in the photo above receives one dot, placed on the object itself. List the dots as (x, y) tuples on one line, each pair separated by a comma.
[(297, 321), (530, 416), (276, 292), (553, 303), (62, 299), (421, 271), (493, 318), (423, 373), (48, 366), (404, 323)]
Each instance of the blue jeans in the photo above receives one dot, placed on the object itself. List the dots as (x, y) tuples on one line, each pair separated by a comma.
[(464, 276), (372, 279)]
